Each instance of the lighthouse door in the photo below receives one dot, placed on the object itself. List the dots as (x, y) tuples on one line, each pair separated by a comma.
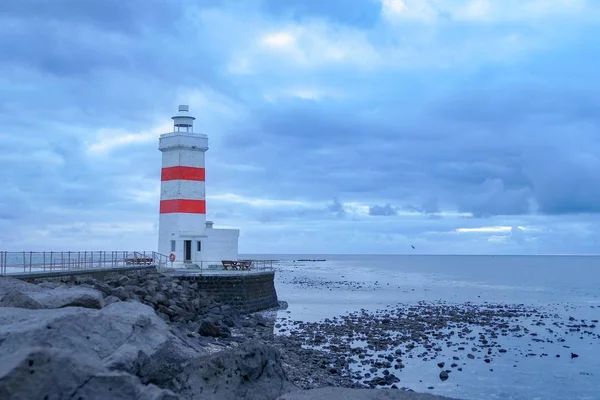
[(187, 251)]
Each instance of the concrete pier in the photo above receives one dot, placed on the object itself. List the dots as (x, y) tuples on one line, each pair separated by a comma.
[(246, 291)]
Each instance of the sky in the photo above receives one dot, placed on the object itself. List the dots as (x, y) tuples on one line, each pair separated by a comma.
[(338, 126)]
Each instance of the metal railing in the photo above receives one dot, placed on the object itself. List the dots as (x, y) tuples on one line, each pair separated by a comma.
[(23, 262), (217, 266), (19, 262)]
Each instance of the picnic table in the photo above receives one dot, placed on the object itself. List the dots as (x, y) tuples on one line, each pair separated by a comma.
[(138, 261), (237, 265)]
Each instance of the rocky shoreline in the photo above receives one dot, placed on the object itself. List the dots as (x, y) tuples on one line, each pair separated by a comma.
[(371, 347), (149, 336)]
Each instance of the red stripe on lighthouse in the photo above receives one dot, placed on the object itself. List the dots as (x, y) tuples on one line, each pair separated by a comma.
[(183, 206), (183, 173)]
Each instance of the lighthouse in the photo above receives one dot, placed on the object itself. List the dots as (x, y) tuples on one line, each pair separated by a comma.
[(182, 227)]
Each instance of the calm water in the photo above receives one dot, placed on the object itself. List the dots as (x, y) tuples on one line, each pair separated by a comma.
[(565, 285)]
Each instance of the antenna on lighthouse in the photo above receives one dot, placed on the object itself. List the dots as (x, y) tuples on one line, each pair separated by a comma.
[(183, 121)]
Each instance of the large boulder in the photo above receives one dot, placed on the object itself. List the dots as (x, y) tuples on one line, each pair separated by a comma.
[(126, 336), (52, 374), (17, 299), (16, 293), (251, 371), (335, 393), (9, 284), (69, 297)]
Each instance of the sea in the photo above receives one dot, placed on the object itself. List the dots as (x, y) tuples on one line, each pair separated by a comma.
[(320, 286)]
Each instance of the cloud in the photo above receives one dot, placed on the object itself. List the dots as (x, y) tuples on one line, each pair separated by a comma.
[(385, 210), (517, 234), (481, 11), (337, 208), (331, 128)]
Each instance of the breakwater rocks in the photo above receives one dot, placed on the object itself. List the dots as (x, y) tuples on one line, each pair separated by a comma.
[(97, 340), (141, 336), (373, 348)]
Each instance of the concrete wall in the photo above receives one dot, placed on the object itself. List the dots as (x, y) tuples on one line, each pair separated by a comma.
[(72, 276), (221, 244), (245, 292)]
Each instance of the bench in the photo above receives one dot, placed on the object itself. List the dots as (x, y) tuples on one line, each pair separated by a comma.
[(237, 265), (229, 263), (246, 264), (138, 261)]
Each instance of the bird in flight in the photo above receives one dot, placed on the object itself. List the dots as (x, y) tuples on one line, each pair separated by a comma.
[(412, 245)]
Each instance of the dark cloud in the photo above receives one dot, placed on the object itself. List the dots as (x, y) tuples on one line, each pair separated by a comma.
[(499, 141), (336, 208), (386, 210), (129, 17)]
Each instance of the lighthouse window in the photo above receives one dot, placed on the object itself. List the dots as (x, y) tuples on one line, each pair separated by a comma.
[(199, 245), (172, 245)]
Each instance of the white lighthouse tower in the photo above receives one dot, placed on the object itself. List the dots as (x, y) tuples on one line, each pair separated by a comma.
[(182, 227)]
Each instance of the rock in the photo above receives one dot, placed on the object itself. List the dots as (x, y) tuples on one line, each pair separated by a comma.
[(69, 297), (338, 393), (123, 280), (208, 328), (260, 320), (138, 290), (160, 299), (26, 295), (49, 285), (111, 299), (49, 374), (252, 371), (126, 336), (10, 284), (103, 287), (444, 375), (441, 364), (224, 332), (18, 299), (121, 293)]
